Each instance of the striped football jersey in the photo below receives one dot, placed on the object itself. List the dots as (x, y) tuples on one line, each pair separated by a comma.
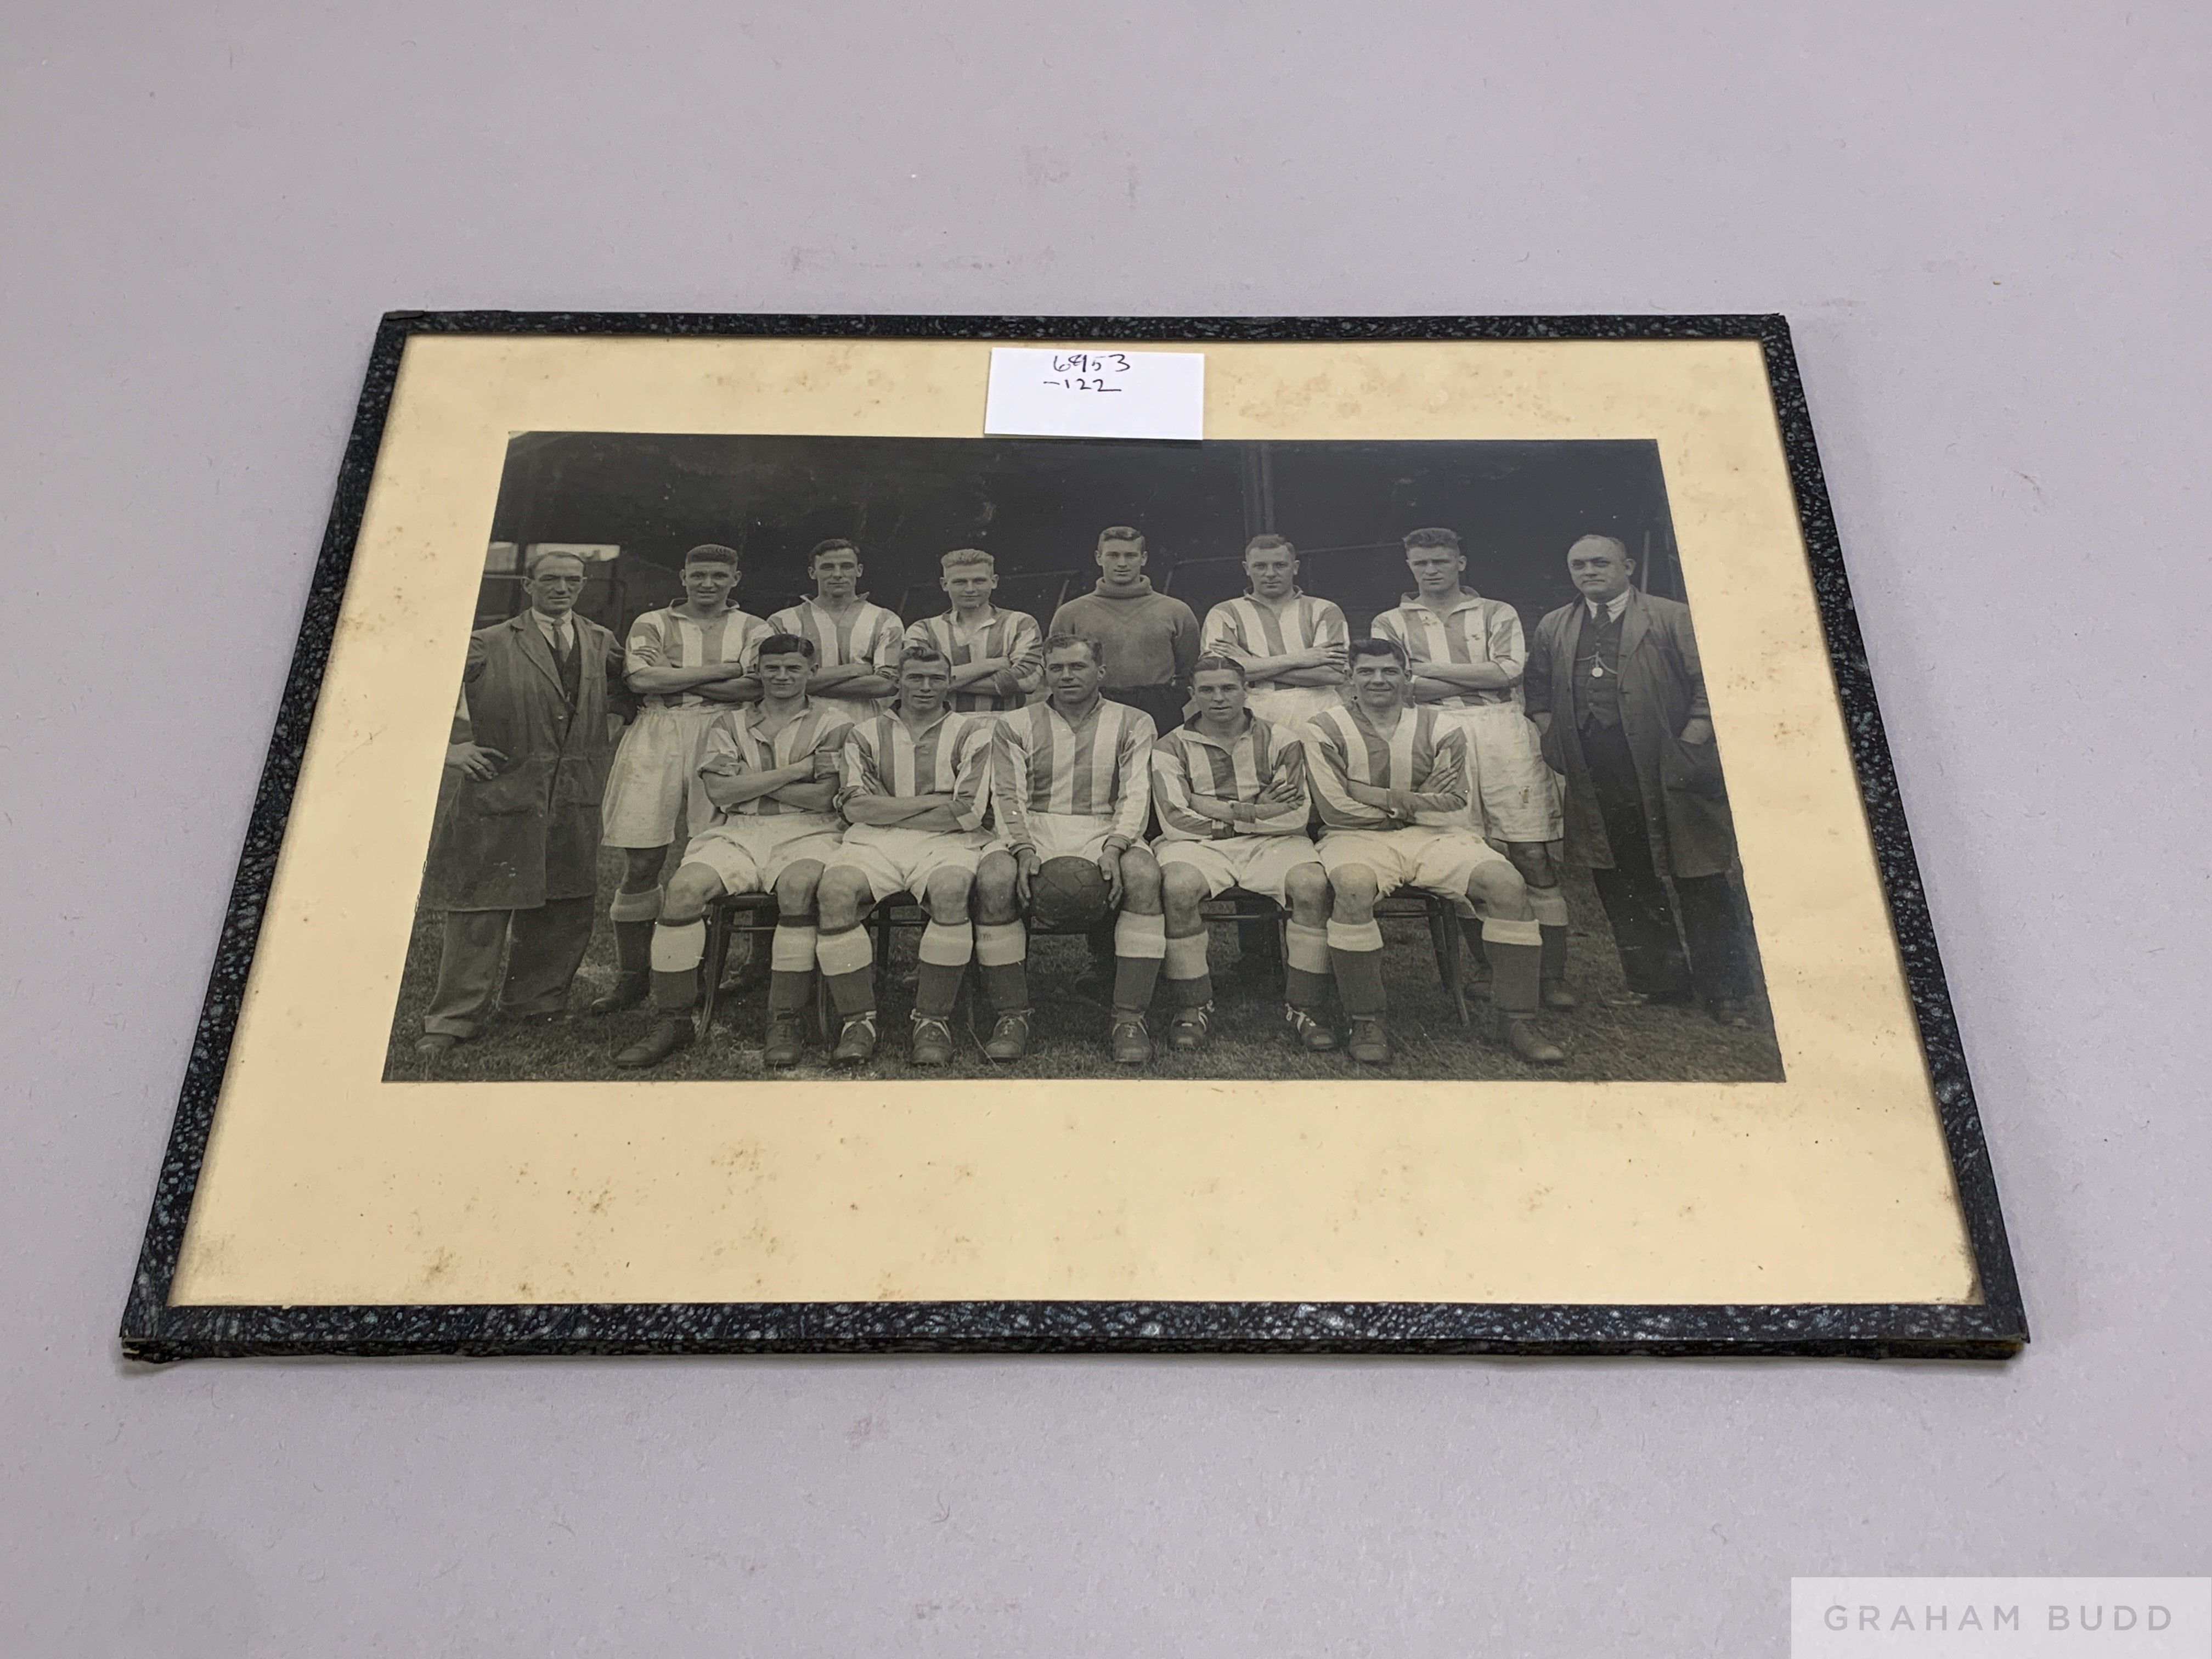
[(1473, 630), (886, 757), (866, 634), (735, 745), (667, 638), (1099, 767), (1186, 762), (1420, 754), (1251, 630), (1013, 635)]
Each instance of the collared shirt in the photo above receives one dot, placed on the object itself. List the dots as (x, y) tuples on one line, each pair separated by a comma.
[(1099, 766), (1420, 754), (1012, 635), (866, 633), (559, 632), (1471, 629), (1251, 630), (670, 638), (735, 745), (1611, 607), (1188, 762), (951, 756)]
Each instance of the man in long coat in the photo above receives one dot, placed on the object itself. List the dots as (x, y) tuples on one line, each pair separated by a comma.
[(514, 855), (1614, 686)]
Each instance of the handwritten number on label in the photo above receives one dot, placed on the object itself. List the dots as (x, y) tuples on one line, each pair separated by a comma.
[(1055, 393), (1088, 363)]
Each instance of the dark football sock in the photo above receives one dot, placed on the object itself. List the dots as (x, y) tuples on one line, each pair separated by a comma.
[(674, 956), (1140, 943), (1190, 985), (1305, 971), (847, 963), (1550, 905), (1356, 949), (791, 965), (633, 915), (1002, 950), (1554, 950), (944, 953), (1515, 953)]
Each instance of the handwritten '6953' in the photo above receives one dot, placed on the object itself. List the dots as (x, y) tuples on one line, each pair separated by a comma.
[(1091, 362)]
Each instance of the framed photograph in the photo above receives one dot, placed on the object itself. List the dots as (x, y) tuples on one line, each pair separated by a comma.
[(840, 834)]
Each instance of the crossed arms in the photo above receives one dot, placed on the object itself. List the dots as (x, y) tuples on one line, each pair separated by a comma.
[(1019, 672), (1326, 663), (864, 799), (809, 784), (1434, 681), (1346, 803), (1280, 810)]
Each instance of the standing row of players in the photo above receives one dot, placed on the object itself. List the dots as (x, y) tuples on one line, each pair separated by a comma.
[(832, 756)]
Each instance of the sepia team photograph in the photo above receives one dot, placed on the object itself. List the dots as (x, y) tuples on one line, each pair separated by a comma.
[(792, 756)]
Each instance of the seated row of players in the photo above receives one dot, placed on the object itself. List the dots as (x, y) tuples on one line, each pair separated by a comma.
[(834, 817)]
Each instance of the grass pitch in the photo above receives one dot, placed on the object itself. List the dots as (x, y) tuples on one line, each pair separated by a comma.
[(1605, 1039)]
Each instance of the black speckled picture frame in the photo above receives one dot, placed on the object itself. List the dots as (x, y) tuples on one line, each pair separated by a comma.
[(1995, 1327)]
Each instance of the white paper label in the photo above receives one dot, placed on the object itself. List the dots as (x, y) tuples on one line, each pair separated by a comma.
[(1999, 1618), (1081, 393)]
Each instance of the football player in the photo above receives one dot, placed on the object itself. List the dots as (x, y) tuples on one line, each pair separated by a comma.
[(856, 643), (1149, 639), (997, 656), (1229, 788), (912, 793), (1468, 656), (1391, 785), (1290, 645), (685, 661), (1071, 784), (771, 771)]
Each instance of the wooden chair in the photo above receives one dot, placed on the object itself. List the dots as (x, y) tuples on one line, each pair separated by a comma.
[(1442, 917), (1442, 914), (754, 915)]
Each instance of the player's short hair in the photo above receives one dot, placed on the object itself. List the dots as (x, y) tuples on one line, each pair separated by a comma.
[(538, 555), (1434, 535), (1378, 645), (1063, 641), (713, 553), (1214, 663), (1120, 533), (834, 544), (960, 557), (1270, 543), (923, 651), (785, 645)]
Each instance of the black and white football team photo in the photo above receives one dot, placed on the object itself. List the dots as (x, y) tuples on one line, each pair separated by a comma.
[(798, 756)]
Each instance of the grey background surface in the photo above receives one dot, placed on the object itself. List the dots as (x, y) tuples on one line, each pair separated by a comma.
[(1988, 225)]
